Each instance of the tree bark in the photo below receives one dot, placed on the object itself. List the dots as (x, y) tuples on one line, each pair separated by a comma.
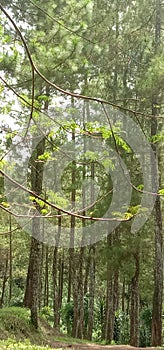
[(134, 306), (46, 281), (61, 280), (32, 284), (4, 280), (123, 296), (41, 277), (11, 263), (91, 292), (156, 334), (56, 304)]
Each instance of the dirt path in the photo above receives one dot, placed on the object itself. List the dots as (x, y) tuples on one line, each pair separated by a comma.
[(90, 346)]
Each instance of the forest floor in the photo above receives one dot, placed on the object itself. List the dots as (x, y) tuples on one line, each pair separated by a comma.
[(16, 332), (92, 346)]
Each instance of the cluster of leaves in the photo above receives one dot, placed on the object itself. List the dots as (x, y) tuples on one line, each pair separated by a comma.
[(12, 344)]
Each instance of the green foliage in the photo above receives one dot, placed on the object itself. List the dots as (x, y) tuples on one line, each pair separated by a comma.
[(16, 331), (157, 138), (12, 344), (145, 327), (161, 191), (67, 317), (153, 78), (14, 318), (47, 313), (45, 156), (121, 327)]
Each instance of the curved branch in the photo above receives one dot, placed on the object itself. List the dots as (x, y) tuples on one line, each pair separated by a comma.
[(91, 218), (65, 92)]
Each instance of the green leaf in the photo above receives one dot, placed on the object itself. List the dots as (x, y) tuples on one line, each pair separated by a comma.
[(5, 204), (45, 156), (161, 191)]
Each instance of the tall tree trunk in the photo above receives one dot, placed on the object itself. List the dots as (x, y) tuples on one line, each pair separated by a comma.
[(36, 257), (46, 281), (75, 298), (71, 254), (91, 292), (156, 336), (86, 280), (123, 295), (32, 291), (86, 277), (41, 277), (61, 280), (11, 262), (158, 279), (36, 181), (56, 305), (81, 329), (116, 240), (134, 306), (27, 295), (115, 78), (92, 266), (73, 199), (4, 279), (32, 284), (109, 316), (81, 294)]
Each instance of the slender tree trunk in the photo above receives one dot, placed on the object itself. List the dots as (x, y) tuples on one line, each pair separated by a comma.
[(134, 307), (86, 288), (102, 317), (128, 299), (46, 281), (71, 250), (73, 253), (27, 295), (35, 276), (73, 199), (4, 280), (92, 266), (116, 240), (41, 277), (75, 298), (156, 336), (32, 291), (158, 279), (123, 296), (32, 284), (82, 248), (11, 262), (115, 80), (86, 278), (81, 294), (110, 302), (56, 305), (91, 292), (36, 180), (61, 280), (55, 289), (109, 319)]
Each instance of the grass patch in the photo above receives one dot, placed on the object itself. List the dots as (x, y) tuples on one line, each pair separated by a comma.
[(17, 332), (14, 321), (15, 324), (68, 339), (11, 344)]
